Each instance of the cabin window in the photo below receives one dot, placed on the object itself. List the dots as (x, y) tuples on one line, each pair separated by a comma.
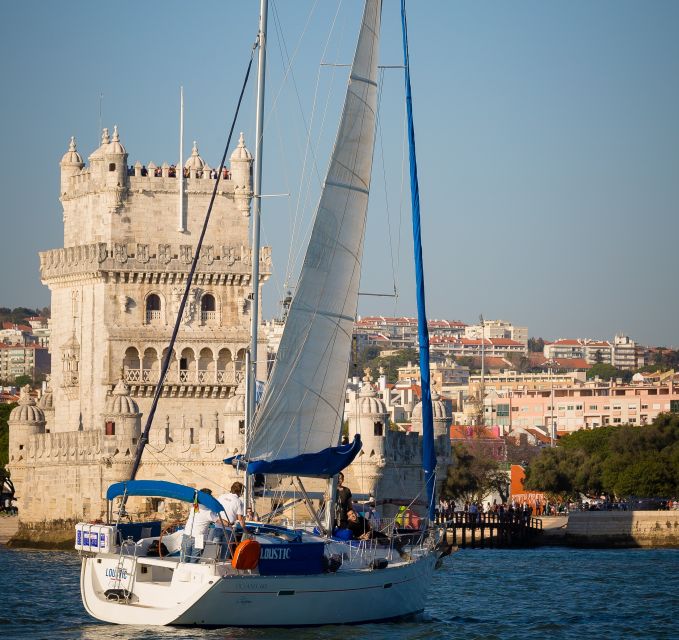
[(110, 428), (379, 429), (112, 166)]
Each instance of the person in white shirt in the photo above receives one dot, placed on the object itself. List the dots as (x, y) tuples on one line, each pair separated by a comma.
[(196, 528), (233, 513)]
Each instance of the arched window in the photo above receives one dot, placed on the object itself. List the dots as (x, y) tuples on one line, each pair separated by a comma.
[(153, 308), (379, 429), (207, 308)]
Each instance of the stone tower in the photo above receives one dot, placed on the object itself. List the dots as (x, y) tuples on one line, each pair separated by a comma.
[(116, 287)]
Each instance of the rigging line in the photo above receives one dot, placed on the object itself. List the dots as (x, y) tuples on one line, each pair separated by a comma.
[(384, 177), (143, 440), (289, 68), (279, 34), (296, 220), (181, 464), (307, 197)]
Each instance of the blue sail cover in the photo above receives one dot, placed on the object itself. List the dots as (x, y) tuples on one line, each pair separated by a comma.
[(323, 464), (162, 489), (428, 450)]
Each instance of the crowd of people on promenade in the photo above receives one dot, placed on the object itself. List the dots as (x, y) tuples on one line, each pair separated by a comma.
[(473, 511)]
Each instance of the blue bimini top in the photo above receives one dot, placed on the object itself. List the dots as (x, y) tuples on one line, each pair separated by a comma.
[(162, 489)]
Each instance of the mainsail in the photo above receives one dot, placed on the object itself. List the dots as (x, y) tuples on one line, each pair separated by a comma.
[(298, 423)]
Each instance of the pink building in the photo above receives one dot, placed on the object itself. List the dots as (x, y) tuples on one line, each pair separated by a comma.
[(591, 405)]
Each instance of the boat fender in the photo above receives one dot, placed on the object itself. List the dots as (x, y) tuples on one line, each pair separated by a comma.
[(379, 563), (246, 555)]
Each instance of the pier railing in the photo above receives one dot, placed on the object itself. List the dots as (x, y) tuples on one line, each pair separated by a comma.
[(492, 529)]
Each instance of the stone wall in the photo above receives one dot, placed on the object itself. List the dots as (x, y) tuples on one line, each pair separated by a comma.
[(623, 529)]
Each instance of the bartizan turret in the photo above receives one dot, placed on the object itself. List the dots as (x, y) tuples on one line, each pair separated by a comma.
[(24, 421), (442, 421), (115, 168), (71, 164), (241, 175), (368, 416), (122, 416)]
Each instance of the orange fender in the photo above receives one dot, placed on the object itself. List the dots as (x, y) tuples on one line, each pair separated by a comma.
[(246, 555)]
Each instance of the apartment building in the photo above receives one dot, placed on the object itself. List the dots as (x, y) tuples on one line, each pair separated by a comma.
[(620, 353), (585, 406), (23, 360), (497, 329)]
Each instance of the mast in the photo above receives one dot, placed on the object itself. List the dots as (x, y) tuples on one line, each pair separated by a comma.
[(428, 450), (180, 166), (251, 369)]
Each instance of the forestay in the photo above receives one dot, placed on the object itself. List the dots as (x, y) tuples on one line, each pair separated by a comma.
[(301, 410)]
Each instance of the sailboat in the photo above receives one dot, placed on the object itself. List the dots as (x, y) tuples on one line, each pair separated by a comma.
[(286, 576)]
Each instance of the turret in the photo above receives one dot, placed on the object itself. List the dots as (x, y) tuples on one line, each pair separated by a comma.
[(441, 423), (368, 416), (115, 167), (71, 163), (97, 156), (195, 164), (46, 403), (241, 175), (24, 421), (121, 416)]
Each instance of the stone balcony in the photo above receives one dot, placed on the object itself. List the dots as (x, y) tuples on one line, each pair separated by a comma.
[(207, 377)]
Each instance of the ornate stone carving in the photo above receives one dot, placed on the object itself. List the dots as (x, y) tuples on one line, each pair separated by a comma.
[(246, 255), (186, 253), (230, 255), (265, 256), (164, 253), (143, 253), (120, 252), (207, 254)]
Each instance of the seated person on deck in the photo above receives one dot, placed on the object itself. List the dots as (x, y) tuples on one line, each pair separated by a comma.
[(361, 529)]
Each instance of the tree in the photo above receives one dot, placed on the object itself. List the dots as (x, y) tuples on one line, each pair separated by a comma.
[(21, 381), (607, 371), (536, 345), (619, 461), (473, 475)]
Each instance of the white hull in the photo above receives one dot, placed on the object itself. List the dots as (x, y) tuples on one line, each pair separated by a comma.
[(198, 595)]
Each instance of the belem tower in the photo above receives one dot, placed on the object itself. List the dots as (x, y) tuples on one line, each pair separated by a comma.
[(115, 290)]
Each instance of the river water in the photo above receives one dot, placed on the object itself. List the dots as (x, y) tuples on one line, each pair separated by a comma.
[(549, 593)]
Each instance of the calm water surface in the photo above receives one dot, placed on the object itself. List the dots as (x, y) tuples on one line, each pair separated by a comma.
[(482, 594)]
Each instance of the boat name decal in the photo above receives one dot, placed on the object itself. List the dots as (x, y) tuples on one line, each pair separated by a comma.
[(275, 554), (118, 574)]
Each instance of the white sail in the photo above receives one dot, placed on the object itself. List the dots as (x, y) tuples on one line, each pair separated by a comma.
[(301, 411)]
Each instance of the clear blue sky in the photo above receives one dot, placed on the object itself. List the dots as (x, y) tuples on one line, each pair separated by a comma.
[(547, 132)]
